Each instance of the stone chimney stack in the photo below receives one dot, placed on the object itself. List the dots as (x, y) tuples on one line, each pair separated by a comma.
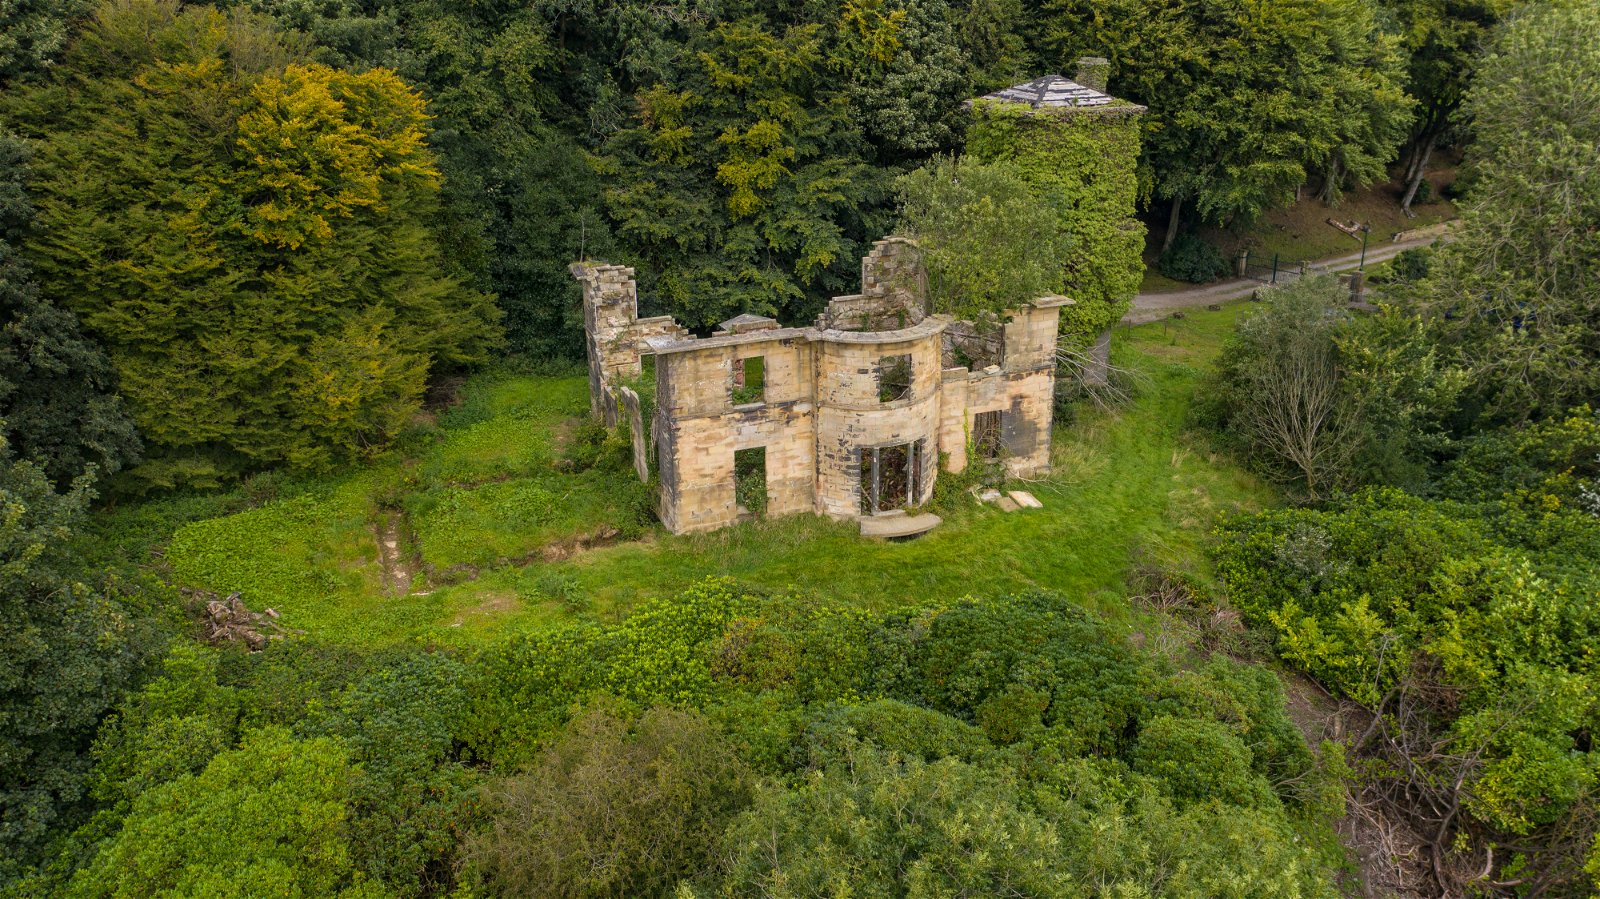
[(1094, 72)]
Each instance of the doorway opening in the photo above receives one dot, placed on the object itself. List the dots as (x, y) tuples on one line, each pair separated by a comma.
[(891, 477), (986, 435)]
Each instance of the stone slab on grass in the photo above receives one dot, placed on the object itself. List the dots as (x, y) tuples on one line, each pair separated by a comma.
[(1026, 500)]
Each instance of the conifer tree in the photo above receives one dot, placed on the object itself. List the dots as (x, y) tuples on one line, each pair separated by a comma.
[(742, 183), (247, 233)]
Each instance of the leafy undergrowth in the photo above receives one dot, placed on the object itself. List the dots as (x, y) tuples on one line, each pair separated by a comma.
[(489, 511)]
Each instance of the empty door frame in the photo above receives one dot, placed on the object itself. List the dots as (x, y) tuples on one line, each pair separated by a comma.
[(891, 476)]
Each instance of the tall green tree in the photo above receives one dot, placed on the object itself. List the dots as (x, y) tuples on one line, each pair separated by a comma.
[(68, 647), (989, 242), (1443, 40), (905, 73), (57, 389), (1245, 98), (741, 186), (247, 235), (1515, 295), (33, 33)]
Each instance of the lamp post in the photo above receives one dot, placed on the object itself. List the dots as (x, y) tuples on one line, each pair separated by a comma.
[(1365, 230)]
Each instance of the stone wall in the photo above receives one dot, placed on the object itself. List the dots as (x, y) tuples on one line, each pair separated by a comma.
[(968, 346), (894, 291), (633, 413), (850, 416), (1022, 391), (821, 406), (700, 427), (614, 335)]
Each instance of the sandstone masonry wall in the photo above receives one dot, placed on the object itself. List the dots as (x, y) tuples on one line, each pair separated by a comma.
[(820, 409)]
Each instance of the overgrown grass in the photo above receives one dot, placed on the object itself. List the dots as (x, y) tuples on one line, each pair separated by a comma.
[(489, 509)]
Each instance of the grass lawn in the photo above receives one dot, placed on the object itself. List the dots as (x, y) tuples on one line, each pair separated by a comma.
[(495, 539)]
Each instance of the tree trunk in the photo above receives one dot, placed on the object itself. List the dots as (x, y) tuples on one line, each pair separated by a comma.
[(1420, 172), (1172, 225), (1331, 183)]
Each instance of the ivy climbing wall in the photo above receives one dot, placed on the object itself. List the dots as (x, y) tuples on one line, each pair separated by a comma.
[(1087, 160)]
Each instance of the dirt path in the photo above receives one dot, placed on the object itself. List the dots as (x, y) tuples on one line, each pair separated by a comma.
[(397, 572), (1149, 307)]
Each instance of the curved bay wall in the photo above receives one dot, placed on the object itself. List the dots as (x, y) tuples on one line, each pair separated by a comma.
[(850, 415)]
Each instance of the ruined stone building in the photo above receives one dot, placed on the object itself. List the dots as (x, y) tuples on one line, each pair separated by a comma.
[(855, 415), (849, 417)]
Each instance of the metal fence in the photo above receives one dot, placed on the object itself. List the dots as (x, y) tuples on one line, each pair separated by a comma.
[(1275, 270)]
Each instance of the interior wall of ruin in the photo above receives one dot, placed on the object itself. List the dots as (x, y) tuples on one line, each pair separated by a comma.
[(1023, 391)]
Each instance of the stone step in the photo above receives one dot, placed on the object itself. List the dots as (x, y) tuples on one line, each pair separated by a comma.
[(898, 524)]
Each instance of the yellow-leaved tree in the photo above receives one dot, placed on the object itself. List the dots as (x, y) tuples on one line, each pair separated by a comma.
[(247, 233)]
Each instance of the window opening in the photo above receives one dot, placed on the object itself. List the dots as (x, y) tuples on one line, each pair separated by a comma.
[(894, 378), (749, 380), (750, 481)]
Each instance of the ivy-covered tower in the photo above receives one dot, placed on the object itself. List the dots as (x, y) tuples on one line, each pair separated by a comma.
[(1076, 142)]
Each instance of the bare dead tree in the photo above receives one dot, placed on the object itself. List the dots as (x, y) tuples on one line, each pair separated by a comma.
[(1286, 376), (1110, 387), (1416, 788)]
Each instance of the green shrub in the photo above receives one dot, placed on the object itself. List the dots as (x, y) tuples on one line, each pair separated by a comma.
[(906, 730), (997, 662), (268, 818), (1194, 260), (1411, 265), (409, 796), (525, 688), (613, 809), (880, 824), (170, 728), (1385, 591), (593, 445), (1199, 761)]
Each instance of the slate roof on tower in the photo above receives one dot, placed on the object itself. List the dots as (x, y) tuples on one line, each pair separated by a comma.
[(1052, 91)]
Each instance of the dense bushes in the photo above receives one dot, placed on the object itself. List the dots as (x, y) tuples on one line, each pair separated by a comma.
[(1194, 260), (1464, 622), (304, 769), (882, 732), (718, 742), (613, 808), (269, 815), (1460, 613)]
